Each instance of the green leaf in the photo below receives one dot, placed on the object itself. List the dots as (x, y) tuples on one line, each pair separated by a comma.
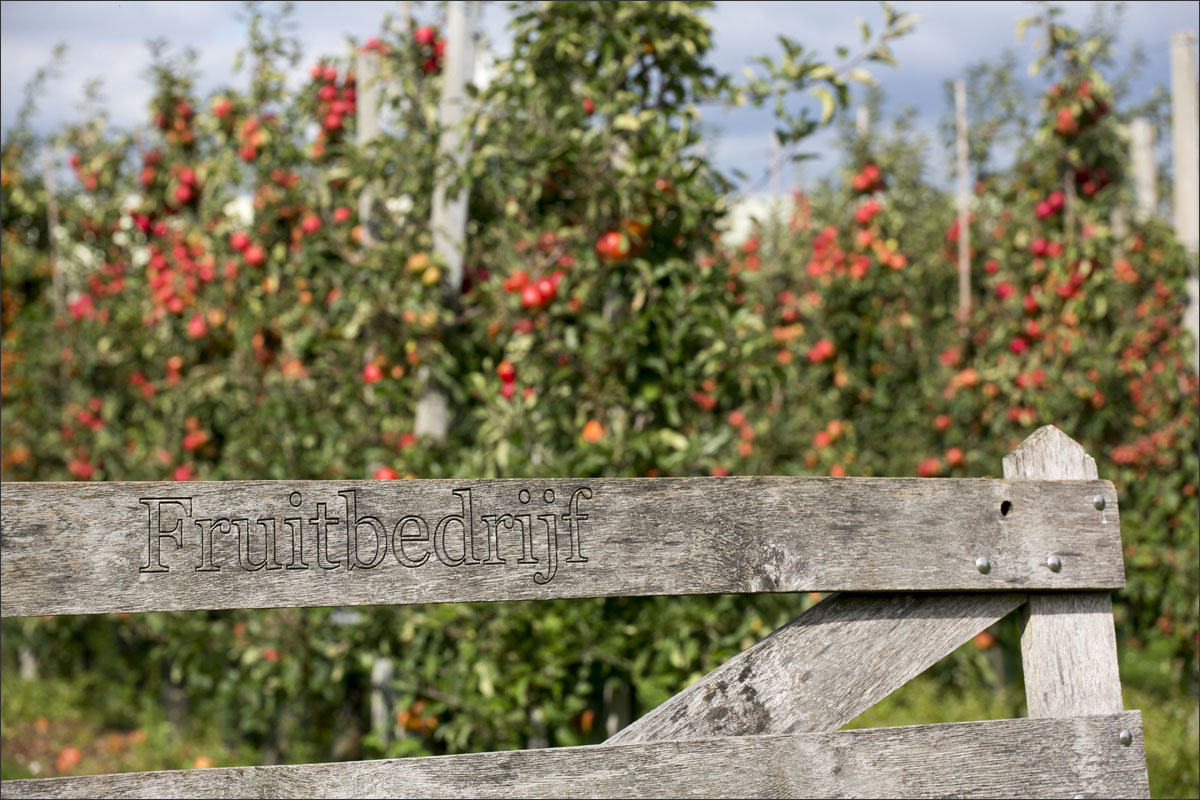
[(626, 122), (673, 439), (827, 103)]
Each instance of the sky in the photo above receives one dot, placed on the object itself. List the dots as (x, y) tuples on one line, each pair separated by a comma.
[(106, 40)]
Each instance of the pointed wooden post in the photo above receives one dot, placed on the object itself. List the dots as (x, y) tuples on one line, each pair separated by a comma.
[(50, 163), (1068, 644)]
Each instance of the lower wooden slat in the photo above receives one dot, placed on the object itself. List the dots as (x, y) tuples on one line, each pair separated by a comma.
[(1064, 757)]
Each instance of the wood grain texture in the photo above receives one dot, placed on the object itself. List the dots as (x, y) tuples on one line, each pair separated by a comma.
[(1068, 643), (1003, 758), (87, 548), (824, 668)]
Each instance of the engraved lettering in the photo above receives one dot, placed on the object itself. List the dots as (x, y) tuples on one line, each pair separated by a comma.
[(206, 542), (353, 522), (573, 518), (415, 540), (157, 533), (296, 531), (526, 520), (322, 522), (421, 536), (465, 521), (248, 564), (526, 523), (551, 521), (493, 536), (272, 544)]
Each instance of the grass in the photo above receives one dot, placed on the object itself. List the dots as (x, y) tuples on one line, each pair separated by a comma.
[(47, 730)]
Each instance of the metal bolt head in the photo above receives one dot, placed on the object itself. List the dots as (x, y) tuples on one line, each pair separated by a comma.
[(1126, 738), (1054, 563), (983, 565), (1098, 502)]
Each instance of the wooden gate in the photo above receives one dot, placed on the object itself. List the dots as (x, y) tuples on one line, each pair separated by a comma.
[(920, 567)]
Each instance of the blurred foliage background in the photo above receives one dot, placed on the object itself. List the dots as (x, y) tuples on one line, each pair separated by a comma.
[(201, 301)]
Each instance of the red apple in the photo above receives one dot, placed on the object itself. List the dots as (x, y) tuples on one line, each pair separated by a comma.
[(531, 297)]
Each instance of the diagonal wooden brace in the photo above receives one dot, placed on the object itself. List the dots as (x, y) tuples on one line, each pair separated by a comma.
[(825, 667)]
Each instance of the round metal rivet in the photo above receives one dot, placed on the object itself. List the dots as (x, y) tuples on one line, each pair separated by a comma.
[(1098, 502), (983, 565), (1126, 738), (1054, 563)]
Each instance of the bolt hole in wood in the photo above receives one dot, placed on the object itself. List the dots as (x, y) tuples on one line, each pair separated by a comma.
[(1005, 507)]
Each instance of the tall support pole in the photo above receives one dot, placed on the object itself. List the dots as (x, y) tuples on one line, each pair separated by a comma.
[(1186, 163), (56, 280), (1183, 139), (964, 203), (1145, 173), (449, 222), (776, 168), (367, 128), (862, 121)]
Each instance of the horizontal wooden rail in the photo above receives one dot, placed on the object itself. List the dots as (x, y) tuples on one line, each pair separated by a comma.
[(1004, 758), (84, 548)]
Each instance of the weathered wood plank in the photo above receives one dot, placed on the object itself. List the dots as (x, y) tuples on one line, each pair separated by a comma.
[(1068, 644), (82, 548), (1004, 758), (824, 668)]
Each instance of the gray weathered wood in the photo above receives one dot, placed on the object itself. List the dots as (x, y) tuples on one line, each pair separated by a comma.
[(1002, 758), (824, 668), (85, 548), (1068, 645)]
